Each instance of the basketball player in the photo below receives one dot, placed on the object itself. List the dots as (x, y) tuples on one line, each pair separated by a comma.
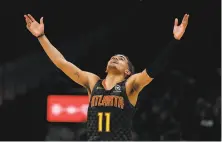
[(113, 99)]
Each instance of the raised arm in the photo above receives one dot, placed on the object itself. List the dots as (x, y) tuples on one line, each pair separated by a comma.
[(142, 79), (83, 78)]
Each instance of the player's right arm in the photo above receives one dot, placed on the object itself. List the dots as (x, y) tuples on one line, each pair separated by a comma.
[(81, 77)]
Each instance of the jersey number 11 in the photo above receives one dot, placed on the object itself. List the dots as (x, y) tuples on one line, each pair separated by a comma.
[(100, 121)]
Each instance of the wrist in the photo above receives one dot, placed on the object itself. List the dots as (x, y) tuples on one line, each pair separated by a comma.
[(177, 38), (41, 35)]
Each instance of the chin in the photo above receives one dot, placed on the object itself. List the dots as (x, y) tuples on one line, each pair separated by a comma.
[(112, 68)]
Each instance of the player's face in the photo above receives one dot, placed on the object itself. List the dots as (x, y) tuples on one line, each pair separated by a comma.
[(118, 63)]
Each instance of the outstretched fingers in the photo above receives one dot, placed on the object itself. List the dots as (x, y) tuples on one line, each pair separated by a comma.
[(31, 18), (185, 20), (176, 22), (41, 20), (28, 20)]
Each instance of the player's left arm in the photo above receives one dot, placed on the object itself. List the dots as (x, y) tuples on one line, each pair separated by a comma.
[(140, 80)]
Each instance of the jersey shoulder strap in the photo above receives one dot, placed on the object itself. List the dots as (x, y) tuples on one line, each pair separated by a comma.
[(98, 84)]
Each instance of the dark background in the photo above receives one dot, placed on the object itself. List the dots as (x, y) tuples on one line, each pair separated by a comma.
[(173, 107)]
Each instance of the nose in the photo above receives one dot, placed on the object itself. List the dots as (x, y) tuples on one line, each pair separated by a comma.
[(115, 58)]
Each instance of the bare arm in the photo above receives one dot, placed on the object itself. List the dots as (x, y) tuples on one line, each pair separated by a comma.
[(83, 78), (76, 74)]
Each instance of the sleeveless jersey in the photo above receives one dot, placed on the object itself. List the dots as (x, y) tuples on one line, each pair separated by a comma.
[(110, 114)]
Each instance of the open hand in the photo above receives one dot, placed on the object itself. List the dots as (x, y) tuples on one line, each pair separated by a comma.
[(33, 26), (179, 30)]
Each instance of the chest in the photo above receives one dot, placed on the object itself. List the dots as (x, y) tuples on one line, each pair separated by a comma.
[(108, 98), (117, 90)]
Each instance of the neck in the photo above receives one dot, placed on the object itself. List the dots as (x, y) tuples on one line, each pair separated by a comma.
[(112, 79)]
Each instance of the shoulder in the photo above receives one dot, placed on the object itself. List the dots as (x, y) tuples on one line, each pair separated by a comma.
[(92, 80)]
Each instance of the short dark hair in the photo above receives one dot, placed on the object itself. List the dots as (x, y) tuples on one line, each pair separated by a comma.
[(130, 65)]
